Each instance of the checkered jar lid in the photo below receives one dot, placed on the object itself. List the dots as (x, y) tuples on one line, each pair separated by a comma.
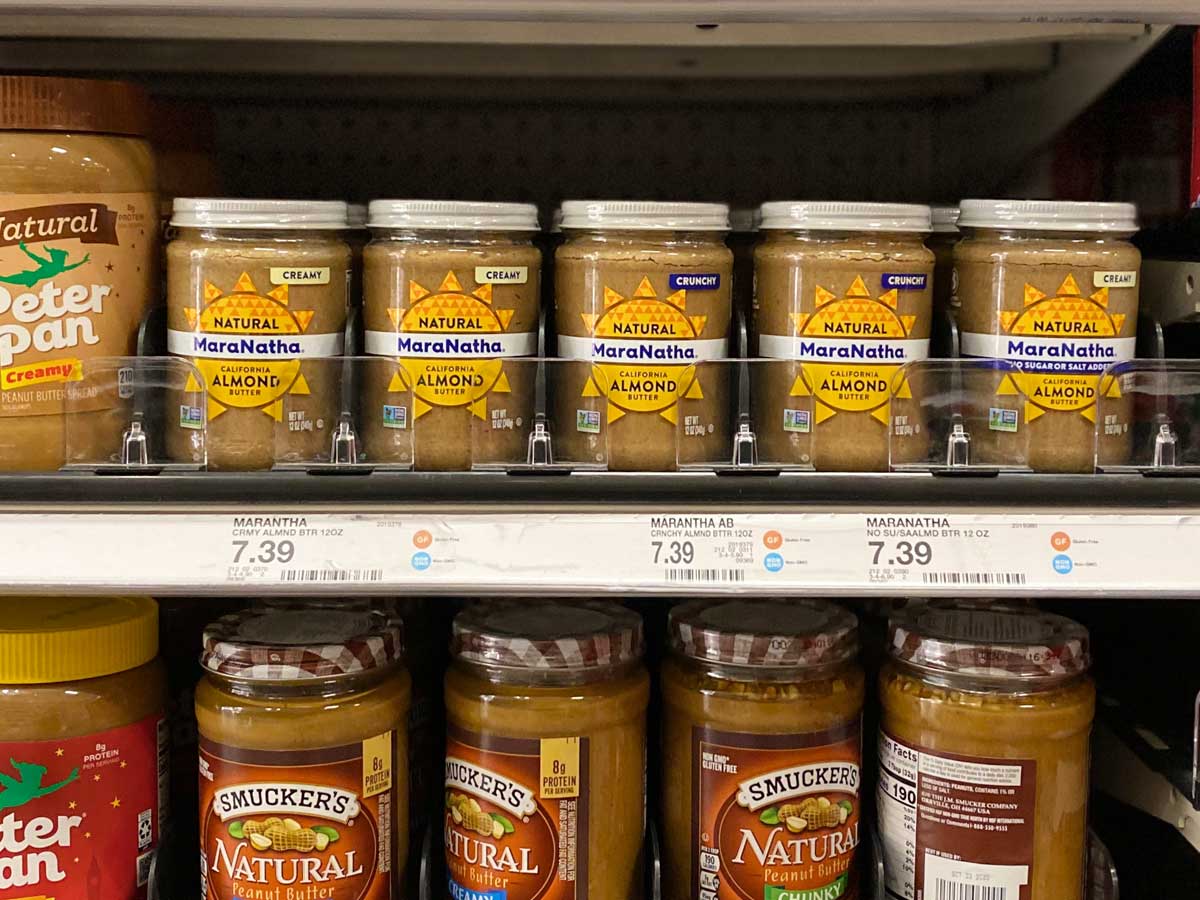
[(997, 643), (542, 635), (767, 633), (299, 644)]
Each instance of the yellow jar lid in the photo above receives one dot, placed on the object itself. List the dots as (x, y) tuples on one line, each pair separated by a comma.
[(50, 639)]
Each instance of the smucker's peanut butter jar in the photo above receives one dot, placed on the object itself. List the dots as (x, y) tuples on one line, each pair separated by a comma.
[(643, 292), (83, 747), (762, 750), (257, 294), (546, 752), (983, 753), (453, 297), (843, 298), (303, 755), (1050, 290), (78, 261)]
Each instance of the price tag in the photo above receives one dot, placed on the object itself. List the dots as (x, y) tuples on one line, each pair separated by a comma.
[(693, 549)]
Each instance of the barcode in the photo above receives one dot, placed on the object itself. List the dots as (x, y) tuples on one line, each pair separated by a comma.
[(331, 575), (717, 575), (960, 890), (973, 577)]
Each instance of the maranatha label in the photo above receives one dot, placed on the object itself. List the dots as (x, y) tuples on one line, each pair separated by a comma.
[(300, 276)]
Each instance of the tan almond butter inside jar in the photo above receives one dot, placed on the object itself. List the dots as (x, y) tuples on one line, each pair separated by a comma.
[(1049, 291), (257, 294), (643, 293), (984, 752), (761, 749), (302, 715), (452, 297), (78, 262), (546, 751), (843, 299)]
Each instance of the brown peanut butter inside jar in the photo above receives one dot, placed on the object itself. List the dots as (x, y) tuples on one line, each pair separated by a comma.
[(257, 292), (843, 300), (1048, 292), (643, 297), (452, 294), (78, 263)]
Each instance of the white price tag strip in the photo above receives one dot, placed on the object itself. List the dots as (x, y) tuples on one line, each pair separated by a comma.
[(922, 553)]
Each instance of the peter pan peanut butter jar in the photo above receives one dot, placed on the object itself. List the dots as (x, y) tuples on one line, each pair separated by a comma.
[(78, 261), (762, 750), (983, 753), (83, 747), (303, 755), (545, 752)]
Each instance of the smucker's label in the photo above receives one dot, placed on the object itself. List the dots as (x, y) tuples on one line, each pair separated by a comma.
[(248, 346), (75, 278), (644, 350), (777, 816), (82, 816), (1059, 343), (297, 824), (516, 817), (450, 344), (852, 347), (955, 826)]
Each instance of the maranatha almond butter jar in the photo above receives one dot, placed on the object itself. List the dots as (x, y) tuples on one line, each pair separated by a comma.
[(257, 297), (643, 293), (302, 715), (78, 252)]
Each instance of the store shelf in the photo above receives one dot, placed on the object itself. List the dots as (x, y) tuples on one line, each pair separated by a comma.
[(481, 533)]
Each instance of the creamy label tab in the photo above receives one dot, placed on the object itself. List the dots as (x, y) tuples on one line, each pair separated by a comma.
[(1114, 279), (318, 275), (501, 274)]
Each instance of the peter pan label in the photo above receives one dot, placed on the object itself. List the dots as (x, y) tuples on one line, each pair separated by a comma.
[(645, 349), (776, 816), (450, 344), (249, 346), (852, 347), (297, 824), (74, 280), (516, 817), (501, 274), (955, 826), (318, 275), (1059, 345), (82, 816)]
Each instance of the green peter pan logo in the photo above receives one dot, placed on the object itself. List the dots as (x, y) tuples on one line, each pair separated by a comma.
[(18, 792), (55, 262)]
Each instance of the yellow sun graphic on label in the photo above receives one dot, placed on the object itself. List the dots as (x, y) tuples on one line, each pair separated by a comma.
[(852, 385), (445, 380), (248, 383), (636, 386), (1066, 314)]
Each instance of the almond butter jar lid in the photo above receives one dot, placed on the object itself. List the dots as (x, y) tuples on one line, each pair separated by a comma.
[(273, 645), (803, 215), (451, 215), (538, 641), (259, 215), (1003, 646), (757, 635), (1116, 219), (643, 215)]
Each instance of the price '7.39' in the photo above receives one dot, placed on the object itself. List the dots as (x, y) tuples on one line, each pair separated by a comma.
[(673, 553), (901, 553), (263, 551)]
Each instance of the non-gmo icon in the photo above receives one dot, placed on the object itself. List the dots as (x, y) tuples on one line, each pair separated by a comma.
[(421, 561), (773, 562), (1063, 564)]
